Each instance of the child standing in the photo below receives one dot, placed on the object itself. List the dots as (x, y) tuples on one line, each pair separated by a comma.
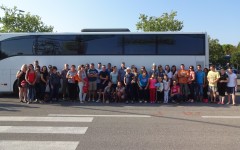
[(160, 93), (152, 88), (55, 84), (166, 87)]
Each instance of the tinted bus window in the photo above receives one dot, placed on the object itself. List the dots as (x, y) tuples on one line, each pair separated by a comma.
[(21, 45), (102, 44), (140, 44), (181, 44), (79, 45)]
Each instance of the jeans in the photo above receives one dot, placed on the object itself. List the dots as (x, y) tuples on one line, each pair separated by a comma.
[(31, 92)]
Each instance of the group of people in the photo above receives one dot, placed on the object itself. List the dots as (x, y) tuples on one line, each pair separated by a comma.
[(106, 84)]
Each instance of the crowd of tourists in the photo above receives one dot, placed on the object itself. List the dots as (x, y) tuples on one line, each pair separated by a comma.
[(110, 84)]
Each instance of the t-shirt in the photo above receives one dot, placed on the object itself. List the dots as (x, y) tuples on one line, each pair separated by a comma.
[(200, 75), (92, 72), (166, 85), (183, 76), (152, 83), (129, 78), (71, 74), (114, 77), (232, 80), (155, 72), (159, 86), (103, 74), (222, 77), (121, 73), (45, 77), (161, 73), (64, 74), (175, 89), (169, 74), (143, 80), (213, 75)]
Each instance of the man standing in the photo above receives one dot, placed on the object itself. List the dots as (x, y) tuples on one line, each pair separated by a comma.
[(121, 73), (92, 77), (213, 77), (183, 81), (200, 79), (231, 85), (104, 77), (64, 80)]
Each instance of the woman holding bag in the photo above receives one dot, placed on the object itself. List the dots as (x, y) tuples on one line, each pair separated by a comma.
[(22, 84)]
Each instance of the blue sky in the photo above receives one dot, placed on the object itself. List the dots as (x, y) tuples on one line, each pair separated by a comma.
[(219, 18)]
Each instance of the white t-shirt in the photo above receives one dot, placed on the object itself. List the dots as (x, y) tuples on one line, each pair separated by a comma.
[(232, 80)]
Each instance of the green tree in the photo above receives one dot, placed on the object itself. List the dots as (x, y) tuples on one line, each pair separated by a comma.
[(15, 20), (166, 22), (229, 49), (216, 52)]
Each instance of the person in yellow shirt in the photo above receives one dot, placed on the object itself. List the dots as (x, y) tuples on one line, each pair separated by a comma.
[(213, 77)]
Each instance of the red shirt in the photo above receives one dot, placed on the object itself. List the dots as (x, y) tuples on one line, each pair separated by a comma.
[(31, 77), (175, 89)]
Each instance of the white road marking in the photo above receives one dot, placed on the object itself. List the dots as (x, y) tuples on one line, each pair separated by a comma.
[(38, 145), (40, 129), (222, 117), (9, 108), (74, 115), (46, 119)]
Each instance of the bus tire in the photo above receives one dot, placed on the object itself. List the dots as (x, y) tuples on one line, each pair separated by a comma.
[(15, 88)]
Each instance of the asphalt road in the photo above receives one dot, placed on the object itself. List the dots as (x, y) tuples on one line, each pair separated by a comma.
[(67, 125)]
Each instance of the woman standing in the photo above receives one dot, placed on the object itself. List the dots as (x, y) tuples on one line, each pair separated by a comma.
[(191, 80), (22, 84), (82, 75), (43, 82), (31, 78), (152, 88), (135, 84), (143, 86), (72, 86)]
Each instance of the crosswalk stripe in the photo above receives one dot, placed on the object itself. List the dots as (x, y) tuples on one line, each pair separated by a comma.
[(40, 129), (74, 115), (39, 145), (46, 119), (222, 117)]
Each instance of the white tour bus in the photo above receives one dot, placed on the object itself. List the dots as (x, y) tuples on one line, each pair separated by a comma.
[(139, 49)]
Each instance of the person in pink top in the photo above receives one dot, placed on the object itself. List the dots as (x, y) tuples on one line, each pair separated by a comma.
[(152, 88), (175, 92)]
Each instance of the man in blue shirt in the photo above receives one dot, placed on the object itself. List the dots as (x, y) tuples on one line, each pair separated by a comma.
[(200, 80)]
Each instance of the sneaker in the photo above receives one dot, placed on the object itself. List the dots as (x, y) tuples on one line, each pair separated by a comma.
[(107, 102), (81, 102), (93, 100), (145, 101), (140, 101), (28, 102), (126, 102), (132, 102), (36, 100), (98, 101), (89, 100)]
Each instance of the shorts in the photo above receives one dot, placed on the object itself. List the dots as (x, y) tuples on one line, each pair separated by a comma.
[(212, 88), (231, 90), (92, 86)]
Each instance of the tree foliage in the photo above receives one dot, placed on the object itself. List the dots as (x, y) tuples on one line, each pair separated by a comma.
[(166, 22), (15, 20), (216, 52)]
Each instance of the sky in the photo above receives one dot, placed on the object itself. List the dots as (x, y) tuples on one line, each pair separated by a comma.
[(219, 18)]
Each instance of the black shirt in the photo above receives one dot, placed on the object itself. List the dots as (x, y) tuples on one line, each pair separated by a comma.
[(103, 74), (129, 78)]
